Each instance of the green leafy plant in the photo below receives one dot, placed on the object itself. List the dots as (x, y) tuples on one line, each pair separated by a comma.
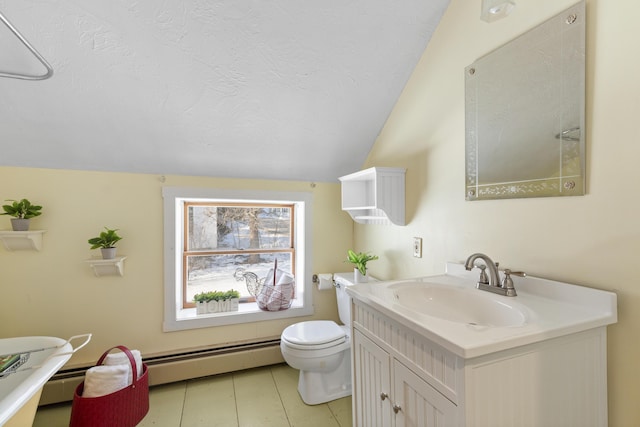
[(201, 297), (22, 209), (231, 294), (106, 239), (360, 260), (216, 296)]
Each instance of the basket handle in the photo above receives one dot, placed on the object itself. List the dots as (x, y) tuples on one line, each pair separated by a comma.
[(132, 361), (275, 270)]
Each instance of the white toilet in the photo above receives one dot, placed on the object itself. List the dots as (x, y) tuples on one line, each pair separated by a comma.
[(320, 349)]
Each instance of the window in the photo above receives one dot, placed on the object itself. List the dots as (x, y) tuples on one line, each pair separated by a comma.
[(223, 238), (213, 236)]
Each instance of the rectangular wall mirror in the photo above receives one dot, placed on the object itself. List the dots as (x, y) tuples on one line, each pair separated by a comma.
[(524, 108)]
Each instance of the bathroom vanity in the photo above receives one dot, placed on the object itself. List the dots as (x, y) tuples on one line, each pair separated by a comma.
[(436, 351)]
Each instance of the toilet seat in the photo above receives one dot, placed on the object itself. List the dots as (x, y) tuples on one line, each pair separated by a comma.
[(314, 335)]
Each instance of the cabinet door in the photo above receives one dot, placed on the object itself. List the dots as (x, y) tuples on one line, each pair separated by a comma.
[(372, 383), (417, 404)]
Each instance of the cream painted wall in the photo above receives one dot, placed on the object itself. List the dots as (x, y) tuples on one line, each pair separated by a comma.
[(54, 292), (592, 240)]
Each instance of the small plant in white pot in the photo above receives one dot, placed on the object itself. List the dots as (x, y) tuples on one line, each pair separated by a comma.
[(22, 211), (216, 301), (359, 261), (106, 241), (231, 299), (201, 301)]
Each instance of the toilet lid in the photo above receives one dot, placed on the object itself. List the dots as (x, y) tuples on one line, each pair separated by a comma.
[(316, 333)]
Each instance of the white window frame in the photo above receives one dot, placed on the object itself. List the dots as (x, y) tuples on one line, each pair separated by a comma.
[(175, 317)]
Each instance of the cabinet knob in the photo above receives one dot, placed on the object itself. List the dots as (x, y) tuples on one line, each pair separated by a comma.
[(383, 396), (396, 408)]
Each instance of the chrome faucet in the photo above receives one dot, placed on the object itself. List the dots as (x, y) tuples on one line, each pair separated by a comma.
[(493, 284), (494, 276)]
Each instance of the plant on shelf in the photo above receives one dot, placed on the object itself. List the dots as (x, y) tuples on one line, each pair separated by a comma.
[(359, 261), (106, 241), (21, 211)]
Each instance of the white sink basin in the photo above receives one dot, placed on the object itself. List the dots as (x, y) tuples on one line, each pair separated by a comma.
[(450, 311), (459, 305)]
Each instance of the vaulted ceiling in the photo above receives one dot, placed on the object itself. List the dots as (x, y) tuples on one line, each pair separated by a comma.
[(279, 89)]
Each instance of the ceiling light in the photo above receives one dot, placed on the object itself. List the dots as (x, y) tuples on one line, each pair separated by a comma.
[(492, 10)]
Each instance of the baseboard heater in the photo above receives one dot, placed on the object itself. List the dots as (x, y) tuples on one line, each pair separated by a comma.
[(178, 367)]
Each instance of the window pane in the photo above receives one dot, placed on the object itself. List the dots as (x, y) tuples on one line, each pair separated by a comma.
[(217, 272), (203, 224), (233, 227)]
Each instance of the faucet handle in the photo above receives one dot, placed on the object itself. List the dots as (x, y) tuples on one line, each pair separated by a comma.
[(483, 274), (507, 282), (508, 272)]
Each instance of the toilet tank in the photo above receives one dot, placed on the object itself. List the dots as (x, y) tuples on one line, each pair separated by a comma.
[(343, 280)]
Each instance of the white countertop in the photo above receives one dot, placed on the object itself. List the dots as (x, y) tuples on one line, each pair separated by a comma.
[(552, 309)]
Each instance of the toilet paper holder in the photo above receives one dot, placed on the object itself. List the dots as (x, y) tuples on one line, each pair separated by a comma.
[(323, 281)]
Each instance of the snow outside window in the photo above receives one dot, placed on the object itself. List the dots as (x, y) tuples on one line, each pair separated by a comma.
[(213, 236)]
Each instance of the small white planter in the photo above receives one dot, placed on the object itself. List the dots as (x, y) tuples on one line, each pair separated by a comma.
[(201, 307), (359, 277), (108, 253), (20, 224), (234, 303), (213, 307)]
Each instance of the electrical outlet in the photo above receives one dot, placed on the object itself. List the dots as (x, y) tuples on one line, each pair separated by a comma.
[(417, 247)]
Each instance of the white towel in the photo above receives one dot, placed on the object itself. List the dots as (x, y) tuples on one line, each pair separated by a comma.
[(102, 380), (122, 359)]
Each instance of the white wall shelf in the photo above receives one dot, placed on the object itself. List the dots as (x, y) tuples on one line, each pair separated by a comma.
[(107, 267), (22, 240), (375, 196)]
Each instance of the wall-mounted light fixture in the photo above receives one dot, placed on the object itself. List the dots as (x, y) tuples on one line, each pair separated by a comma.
[(492, 10)]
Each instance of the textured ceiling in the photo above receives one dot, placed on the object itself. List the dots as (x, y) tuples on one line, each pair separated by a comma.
[(279, 89)]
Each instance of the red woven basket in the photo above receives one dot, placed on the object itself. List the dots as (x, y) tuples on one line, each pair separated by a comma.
[(124, 408)]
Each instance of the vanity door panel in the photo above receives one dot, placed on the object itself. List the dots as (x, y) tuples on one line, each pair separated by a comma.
[(418, 404), (372, 383)]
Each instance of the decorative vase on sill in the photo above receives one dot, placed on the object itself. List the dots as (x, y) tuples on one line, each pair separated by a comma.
[(20, 224)]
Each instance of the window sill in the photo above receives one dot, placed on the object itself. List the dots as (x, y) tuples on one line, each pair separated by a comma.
[(247, 313)]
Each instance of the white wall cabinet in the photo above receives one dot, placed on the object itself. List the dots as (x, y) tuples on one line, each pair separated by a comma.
[(375, 196), (558, 382)]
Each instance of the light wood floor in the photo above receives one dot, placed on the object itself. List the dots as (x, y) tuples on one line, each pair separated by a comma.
[(258, 397)]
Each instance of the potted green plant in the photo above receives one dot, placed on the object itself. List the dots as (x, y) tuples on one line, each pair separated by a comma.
[(216, 301), (201, 301), (232, 299), (106, 241), (21, 211), (359, 261)]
